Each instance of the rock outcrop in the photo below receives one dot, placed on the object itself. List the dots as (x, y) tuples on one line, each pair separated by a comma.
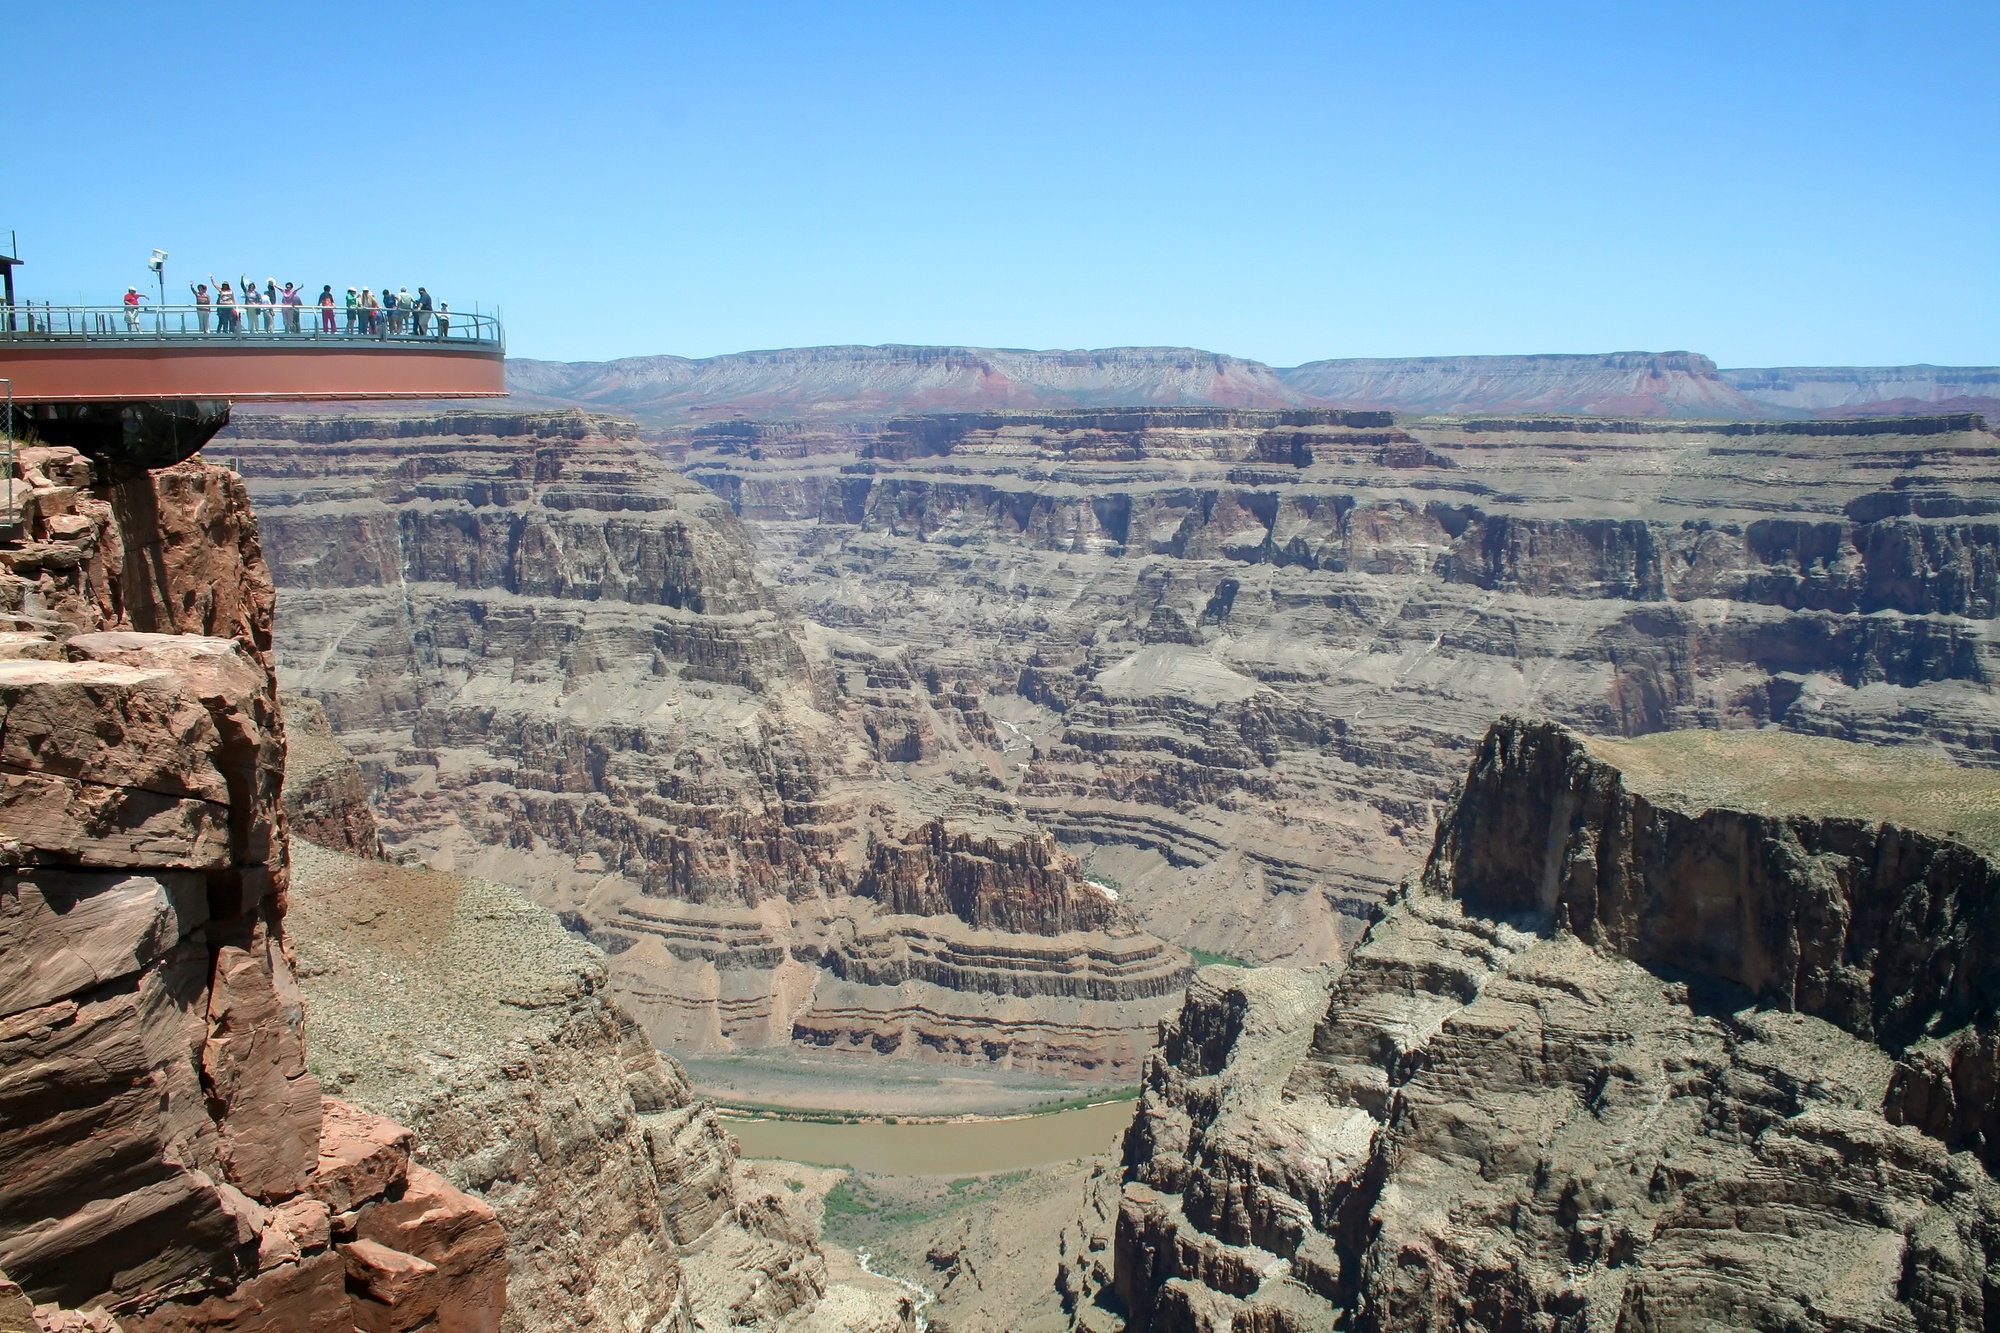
[(326, 793), (167, 1155), (1682, 1032), (558, 666), (472, 1016)]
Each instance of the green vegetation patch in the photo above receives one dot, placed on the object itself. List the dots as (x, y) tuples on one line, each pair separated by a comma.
[(1205, 958), (776, 1111), (862, 1209), (1779, 772), (1089, 1099), (843, 1201)]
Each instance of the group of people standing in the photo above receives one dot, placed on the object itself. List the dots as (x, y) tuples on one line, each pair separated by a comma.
[(245, 308), (392, 314)]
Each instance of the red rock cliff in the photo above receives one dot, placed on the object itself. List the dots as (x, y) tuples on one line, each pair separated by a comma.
[(164, 1152)]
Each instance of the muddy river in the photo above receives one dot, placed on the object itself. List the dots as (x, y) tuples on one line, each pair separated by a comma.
[(937, 1150)]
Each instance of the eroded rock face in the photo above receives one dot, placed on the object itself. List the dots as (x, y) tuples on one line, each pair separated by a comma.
[(1020, 885), (167, 1153), (1620, 1058), (558, 666), (326, 793), (1236, 660), (1233, 661), (470, 1015), (164, 1148), (163, 1138)]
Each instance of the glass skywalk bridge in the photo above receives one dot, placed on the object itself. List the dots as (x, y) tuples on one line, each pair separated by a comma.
[(83, 354)]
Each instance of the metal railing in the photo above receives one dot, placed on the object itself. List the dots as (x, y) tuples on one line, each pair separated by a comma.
[(263, 324)]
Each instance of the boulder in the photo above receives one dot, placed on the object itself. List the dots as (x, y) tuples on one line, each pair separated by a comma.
[(360, 1156), (456, 1236)]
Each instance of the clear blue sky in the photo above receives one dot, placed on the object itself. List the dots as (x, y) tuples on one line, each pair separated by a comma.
[(1771, 184)]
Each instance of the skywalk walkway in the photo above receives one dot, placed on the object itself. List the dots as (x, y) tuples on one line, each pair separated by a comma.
[(114, 354)]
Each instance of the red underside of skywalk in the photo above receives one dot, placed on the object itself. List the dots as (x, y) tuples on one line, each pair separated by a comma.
[(102, 372)]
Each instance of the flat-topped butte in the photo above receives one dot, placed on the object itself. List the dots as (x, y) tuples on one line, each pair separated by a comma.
[(1780, 772)]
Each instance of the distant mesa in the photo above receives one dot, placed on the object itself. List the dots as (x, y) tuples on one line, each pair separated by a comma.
[(873, 383)]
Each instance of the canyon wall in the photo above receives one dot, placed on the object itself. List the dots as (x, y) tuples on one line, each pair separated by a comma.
[(1668, 1034), (871, 384), (325, 792), (559, 666), (202, 1023), (167, 1155), (1836, 391), (1652, 384), (883, 381), (1231, 660), (1235, 660)]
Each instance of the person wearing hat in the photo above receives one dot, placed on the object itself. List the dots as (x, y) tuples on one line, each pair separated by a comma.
[(132, 299), (353, 310)]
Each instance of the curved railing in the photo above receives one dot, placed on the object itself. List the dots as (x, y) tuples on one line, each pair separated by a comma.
[(262, 325)]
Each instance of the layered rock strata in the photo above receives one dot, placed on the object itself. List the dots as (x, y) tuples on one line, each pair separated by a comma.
[(1235, 660), (842, 384), (166, 1153), (326, 793), (170, 1154), (1641, 1048), (559, 667)]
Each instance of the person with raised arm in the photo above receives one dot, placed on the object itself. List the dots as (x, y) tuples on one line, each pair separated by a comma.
[(201, 304), (226, 320), (248, 302)]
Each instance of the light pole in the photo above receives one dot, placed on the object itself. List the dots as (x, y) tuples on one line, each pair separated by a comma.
[(158, 263)]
